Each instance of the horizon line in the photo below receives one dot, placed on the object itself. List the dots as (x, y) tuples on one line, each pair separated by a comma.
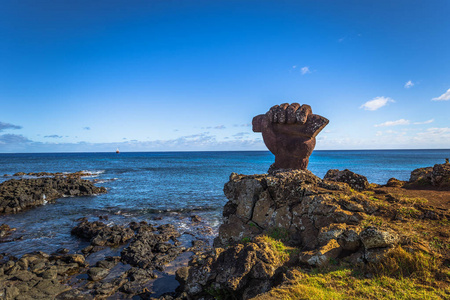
[(200, 151)]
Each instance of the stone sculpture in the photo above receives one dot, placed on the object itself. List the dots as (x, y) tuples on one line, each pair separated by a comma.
[(289, 132)]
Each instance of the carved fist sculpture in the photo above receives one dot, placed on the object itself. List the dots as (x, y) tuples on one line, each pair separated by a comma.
[(289, 132)]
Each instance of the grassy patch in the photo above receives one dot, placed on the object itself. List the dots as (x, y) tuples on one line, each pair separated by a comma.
[(279, 234), (408, 212), (413, 200), (278, 246), (372, 221), (343, 284), (401, 263)]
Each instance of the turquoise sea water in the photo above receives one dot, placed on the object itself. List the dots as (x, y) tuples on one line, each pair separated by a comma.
[(169, 186)]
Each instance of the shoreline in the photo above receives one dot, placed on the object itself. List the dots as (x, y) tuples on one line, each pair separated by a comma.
[(117, 260)]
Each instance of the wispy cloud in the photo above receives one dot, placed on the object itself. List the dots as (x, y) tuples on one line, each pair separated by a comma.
[(444, 97), (13, 139), (305, 70), (219, 127), (53, 136), (294, 67), (376, 103), (409, 84), (394, 123), (240, 135), (87, 128), (4, 126), (424, 122)]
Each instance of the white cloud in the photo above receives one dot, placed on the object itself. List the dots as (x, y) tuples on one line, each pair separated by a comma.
[(376, 103), (305, 70), (293, 67), (424, 122), (444, 97), (394, 123), (409, 84)]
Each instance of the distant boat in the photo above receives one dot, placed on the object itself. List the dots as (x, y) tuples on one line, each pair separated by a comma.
[(117, 151)]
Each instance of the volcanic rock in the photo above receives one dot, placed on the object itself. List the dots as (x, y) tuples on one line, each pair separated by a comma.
[(355, 181), (19, 194)]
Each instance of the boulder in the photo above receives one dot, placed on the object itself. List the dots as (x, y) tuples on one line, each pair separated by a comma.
[(355, 181), (373, 237), (242, 271), (421, 176)]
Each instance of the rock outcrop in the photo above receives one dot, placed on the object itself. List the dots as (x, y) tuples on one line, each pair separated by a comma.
[(297, 202), (324, 220), (19, 194), (355, 181), (437, 176), (242, 272)]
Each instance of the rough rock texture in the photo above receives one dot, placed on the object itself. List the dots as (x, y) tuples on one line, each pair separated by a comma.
[(289, 132), (421, 176), (322, 219), (100, 234), (312, 213), (19, 194), (437, 176), (37, 275), (374, 238), (355, 181), (151, 248), (241, 272), (440, 177), (297, 201), (394, 182)]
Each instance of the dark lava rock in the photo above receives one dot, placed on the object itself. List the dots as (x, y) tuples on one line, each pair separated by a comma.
[(150, 249), (100, 234), (17, 195), (97, 273), (355, 181), (241, 271), (437, 176), (421, 176)]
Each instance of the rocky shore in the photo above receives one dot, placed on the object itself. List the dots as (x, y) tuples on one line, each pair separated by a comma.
[(281, 231), (278, 223), (19, 194), (120, 261)]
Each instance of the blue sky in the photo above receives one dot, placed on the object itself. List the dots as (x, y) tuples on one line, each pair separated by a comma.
[(190, 75)]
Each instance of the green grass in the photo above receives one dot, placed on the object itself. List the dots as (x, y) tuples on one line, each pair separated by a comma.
[(343, 284), (279, 234), (278, 246)]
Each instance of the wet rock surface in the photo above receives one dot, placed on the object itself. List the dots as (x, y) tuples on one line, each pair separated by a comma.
[(142, 254), (19, 194)]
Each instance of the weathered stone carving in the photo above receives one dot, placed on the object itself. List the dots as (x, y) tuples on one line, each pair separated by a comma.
[(289, 132)]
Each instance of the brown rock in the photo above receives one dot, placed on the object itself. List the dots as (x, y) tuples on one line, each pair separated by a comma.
[(321, 256)]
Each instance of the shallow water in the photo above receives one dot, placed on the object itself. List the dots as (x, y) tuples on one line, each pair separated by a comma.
[(172, 186)]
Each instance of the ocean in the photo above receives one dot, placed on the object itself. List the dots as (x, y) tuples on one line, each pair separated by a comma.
[(168, 187)]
